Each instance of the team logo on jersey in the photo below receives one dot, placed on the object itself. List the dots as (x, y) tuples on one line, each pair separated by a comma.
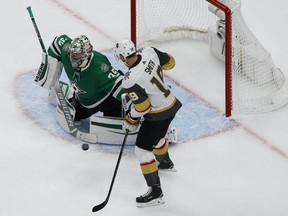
[(104, 67), (76, 89), (127, 75)]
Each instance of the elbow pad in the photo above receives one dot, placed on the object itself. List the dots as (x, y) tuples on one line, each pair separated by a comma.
[(141, 109), (170, 64)]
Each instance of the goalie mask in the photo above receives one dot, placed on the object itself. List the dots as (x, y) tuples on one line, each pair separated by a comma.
[(80, 51), (125, 48)]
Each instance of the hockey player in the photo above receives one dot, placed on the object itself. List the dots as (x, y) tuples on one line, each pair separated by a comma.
[(96, 84), (154, 102)]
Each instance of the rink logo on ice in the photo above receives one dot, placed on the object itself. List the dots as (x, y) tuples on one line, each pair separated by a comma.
[(194, 120)]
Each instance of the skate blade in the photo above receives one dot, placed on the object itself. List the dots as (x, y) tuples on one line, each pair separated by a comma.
[(155, 202), (168, 170)]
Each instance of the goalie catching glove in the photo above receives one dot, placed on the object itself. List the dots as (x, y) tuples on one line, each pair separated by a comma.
[(131, 124)]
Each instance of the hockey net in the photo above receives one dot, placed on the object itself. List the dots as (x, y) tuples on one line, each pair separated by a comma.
[(253, 84)]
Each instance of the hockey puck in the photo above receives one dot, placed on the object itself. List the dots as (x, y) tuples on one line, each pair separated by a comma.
[(85, 146)]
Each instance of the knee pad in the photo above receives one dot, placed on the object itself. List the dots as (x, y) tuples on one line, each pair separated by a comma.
[(161, 148), (160, 143), (143, 155)]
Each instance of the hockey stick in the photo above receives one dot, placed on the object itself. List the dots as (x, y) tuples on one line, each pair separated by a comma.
[(103, 204), (125, 106), (87, 137)]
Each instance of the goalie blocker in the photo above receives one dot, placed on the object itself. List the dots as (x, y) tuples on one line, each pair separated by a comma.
[(49, 71)]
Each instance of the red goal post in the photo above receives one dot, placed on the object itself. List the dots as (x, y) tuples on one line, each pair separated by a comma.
[(253, 84)]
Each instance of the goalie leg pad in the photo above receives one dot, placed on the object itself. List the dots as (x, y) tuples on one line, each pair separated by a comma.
[(109, 130), (52, 97), (67, 92), (61, 116)]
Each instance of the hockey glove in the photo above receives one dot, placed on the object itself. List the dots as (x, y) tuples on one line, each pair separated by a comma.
[(49, 71), (131, 124)]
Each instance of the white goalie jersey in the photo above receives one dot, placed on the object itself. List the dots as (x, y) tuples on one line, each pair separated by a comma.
[(144, 84)]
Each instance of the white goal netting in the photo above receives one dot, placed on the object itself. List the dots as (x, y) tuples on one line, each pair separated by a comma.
[(257, 85)]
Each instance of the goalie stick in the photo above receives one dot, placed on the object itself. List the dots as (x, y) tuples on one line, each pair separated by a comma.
[(87, 137)]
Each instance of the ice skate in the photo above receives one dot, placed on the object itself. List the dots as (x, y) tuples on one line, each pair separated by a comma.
[(152, 197), (166, 164)]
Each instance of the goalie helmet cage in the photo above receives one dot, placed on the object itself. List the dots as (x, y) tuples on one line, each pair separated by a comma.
[(253, 84)]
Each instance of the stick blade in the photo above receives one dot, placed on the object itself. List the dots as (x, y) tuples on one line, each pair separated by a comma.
[(86, 137), (99, 207)]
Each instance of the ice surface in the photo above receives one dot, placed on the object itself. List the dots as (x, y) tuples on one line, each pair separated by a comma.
[(239, 170)]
